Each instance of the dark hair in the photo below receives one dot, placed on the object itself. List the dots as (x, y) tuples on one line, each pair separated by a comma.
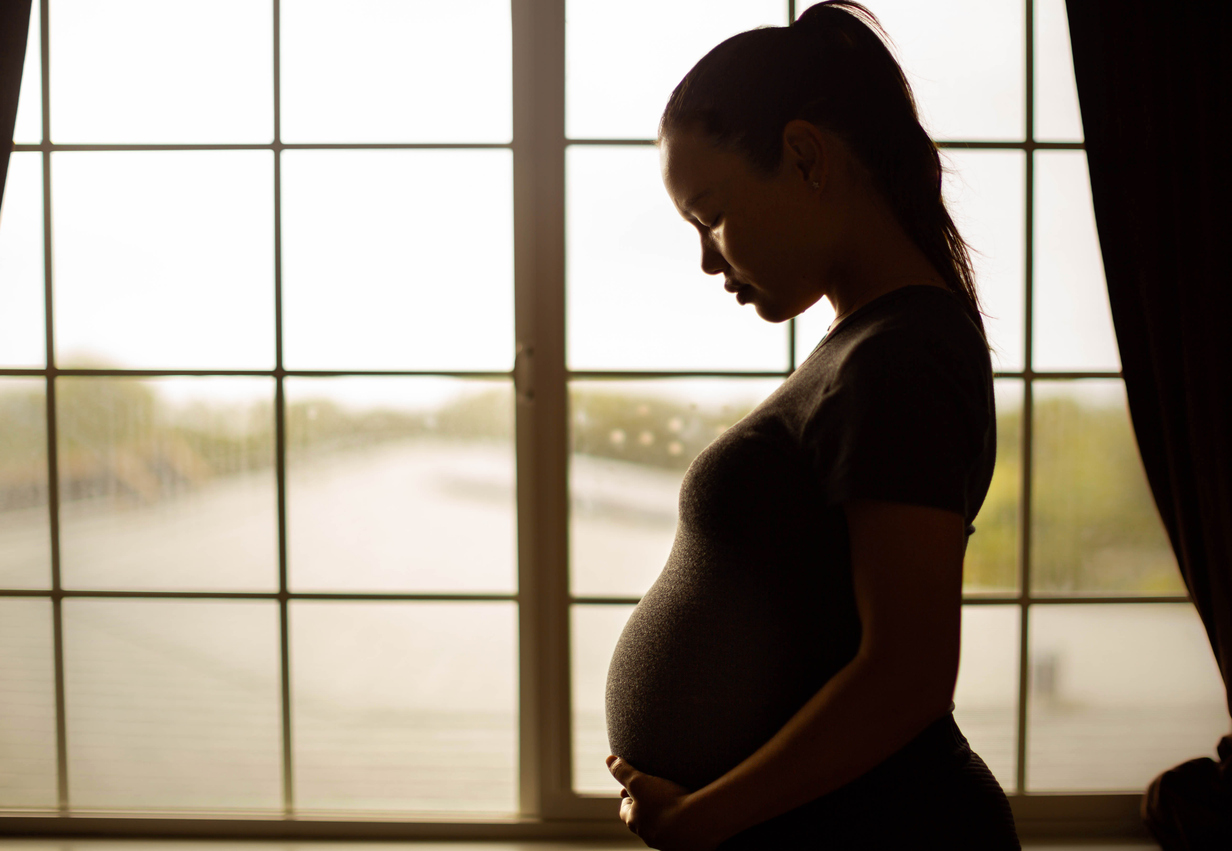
[(835, 70)]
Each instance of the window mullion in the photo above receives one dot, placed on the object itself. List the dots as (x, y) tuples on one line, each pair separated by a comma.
[(53, 474), (280, 437), (1028, 416), (538, 28)]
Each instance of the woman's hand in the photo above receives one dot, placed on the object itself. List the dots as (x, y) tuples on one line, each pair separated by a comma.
[(658, 810)]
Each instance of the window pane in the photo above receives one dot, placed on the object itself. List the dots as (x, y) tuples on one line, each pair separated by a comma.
[(593, 634), (29, 127), (167, 483), (22, 321), (1073, 323), (631, 443), (405, 706), (25, 528), (157, 72), (357, 73), (637, 298), (173, 704), (1119, 693), (1057, 117), (27, 705), (400, 484), (623, 60), (164, 259), (991, 563), (811, 327), (985, 194), (391, 263), (964, 60), (986, 697), (1095, 527)]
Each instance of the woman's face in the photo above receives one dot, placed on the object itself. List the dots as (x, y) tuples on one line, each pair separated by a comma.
[(765, 234)]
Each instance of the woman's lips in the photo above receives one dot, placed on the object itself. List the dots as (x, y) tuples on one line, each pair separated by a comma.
[(743, 291)]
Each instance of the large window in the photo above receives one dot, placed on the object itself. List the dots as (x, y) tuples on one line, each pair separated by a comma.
[(350, 360)]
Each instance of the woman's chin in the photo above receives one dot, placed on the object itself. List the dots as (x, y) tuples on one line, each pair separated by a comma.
[(772, 312)]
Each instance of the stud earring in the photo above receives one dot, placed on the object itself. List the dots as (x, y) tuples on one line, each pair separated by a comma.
[(816, 184)]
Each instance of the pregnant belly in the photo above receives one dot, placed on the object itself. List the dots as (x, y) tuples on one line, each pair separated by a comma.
[(704, 673)]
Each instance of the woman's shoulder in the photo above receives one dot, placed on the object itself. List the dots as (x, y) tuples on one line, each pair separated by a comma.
[(907, 329), (903, 406), (917, 315)]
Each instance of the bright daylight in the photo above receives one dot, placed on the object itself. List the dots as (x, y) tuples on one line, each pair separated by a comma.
[(296, 540)]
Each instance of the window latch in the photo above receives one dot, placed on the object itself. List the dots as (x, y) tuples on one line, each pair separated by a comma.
[(524, 372)]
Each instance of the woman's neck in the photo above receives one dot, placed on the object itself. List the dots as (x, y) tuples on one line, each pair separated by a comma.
[(881, 259)]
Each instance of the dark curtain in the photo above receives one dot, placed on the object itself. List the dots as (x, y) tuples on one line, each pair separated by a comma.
[(1155, 88), (14, 28)]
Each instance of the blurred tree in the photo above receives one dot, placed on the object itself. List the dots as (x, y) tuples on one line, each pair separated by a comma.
[(991, 564), (648, 429), (23, 445), (1095, 525)]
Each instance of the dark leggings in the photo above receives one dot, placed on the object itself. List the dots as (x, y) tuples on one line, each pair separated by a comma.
[(934, 793)]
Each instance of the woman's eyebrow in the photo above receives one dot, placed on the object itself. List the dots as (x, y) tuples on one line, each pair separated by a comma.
[(686, 209), (688, 205)]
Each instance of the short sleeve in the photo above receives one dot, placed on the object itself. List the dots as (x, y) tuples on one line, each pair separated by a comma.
[(908, 419)]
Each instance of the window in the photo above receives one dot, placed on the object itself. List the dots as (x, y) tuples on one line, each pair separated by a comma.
[(339, 437)]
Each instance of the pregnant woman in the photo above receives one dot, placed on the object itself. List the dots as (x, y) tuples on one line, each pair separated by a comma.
[(787, 681)]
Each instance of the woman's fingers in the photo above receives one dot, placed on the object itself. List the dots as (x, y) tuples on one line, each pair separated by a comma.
[(624, 773), (627, 814)]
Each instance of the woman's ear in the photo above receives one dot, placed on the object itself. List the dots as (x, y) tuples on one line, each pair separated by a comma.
[(805, 152)]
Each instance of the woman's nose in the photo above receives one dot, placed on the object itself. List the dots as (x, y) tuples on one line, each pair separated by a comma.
[(713, 263)]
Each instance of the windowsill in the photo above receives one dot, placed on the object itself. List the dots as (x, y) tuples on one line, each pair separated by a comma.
[(1043, 818)]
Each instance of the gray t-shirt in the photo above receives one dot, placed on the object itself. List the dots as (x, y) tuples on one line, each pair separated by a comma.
[(755, 609)]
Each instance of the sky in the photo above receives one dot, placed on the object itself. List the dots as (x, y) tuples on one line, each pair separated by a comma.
[(403, 259)]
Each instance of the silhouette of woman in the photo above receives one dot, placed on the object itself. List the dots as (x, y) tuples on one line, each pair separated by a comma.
[(787, 681)]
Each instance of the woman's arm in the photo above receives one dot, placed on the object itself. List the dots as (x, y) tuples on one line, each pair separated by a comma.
[(907, 571)]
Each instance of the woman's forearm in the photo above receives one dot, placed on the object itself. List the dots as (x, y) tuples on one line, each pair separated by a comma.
[(864, 714)]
